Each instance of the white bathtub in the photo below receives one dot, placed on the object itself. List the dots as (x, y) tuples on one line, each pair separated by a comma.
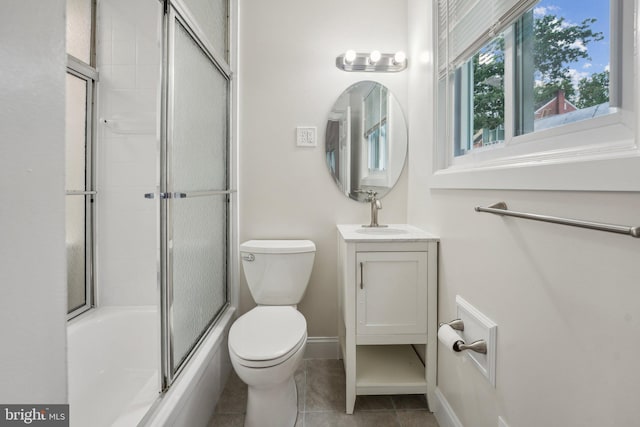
[(113, 359)]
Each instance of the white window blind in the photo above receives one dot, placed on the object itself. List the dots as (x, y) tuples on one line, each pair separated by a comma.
[(464, 26)]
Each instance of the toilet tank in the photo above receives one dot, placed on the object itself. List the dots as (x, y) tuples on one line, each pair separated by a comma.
[(277, 271)]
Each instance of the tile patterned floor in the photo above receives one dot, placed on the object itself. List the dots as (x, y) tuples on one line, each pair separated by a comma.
[(321, 400)]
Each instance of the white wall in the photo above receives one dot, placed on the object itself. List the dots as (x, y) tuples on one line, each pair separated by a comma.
[(565, 299), (33, 305), (128, 49), (288, 78)]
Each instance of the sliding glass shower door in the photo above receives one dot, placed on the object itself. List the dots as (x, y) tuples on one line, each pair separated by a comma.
[(195, 191)]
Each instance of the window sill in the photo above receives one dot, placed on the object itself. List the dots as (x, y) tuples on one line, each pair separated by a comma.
[(611, 172), (608, 159)]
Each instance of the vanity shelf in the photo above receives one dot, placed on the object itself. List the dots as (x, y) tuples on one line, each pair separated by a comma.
[(389, 369), (387, 301)]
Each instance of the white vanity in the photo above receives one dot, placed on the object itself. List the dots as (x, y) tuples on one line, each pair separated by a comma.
[(387, 301)]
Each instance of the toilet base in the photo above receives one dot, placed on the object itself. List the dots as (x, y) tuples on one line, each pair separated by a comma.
[(275, 406)]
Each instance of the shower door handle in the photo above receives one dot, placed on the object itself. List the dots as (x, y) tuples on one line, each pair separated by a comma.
[(165, 195), (185, 195), (191, 194), (80, 193)]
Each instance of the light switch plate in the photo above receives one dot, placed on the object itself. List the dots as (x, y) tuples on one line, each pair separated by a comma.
[(477, 326), (306, 136)]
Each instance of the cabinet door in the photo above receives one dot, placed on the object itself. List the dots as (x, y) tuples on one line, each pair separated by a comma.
[(391, 292)]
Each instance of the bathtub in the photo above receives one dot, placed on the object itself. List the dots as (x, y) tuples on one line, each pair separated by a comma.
[(113, 366), (114, 375)]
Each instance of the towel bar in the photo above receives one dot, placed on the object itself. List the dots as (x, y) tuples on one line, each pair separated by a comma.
[(500, 208)]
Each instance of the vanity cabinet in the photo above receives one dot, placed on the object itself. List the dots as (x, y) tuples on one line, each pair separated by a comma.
[(388, 310)]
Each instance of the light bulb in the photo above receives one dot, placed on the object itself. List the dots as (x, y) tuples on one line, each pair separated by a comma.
[(399, 57), (374, 56), (349, 56)]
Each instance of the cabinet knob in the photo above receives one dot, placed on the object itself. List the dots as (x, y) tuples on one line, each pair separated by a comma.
[(361, 276)]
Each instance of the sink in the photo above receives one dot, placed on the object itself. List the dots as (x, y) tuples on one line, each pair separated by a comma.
[(391, 233), (381, 230)]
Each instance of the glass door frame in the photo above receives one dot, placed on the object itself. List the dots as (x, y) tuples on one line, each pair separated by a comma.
[(177, 14), (79, 69)]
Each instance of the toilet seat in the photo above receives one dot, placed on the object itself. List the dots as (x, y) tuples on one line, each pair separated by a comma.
[(267, 335)]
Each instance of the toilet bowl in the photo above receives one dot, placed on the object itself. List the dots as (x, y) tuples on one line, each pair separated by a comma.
[(266, 344)]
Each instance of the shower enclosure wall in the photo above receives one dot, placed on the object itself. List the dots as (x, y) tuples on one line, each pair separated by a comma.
[(164, 227)]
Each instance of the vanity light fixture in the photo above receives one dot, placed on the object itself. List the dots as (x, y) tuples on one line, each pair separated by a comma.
[(374, 61), (374, 57), (349, 56), (399, 58)]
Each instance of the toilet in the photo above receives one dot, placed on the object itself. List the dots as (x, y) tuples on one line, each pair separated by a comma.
[(267, 344)]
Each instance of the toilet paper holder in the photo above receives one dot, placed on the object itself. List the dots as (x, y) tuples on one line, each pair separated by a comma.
[(479, 346)]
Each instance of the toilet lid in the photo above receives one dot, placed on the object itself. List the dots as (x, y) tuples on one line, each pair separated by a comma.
[(268, 333), (278, 246)]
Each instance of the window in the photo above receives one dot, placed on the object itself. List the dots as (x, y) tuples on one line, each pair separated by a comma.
[(479, 96), (377, 139), (532, 81), (79, 181), (375, 126)]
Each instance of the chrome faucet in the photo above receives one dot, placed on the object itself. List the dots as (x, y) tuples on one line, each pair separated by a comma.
[(376, 205)]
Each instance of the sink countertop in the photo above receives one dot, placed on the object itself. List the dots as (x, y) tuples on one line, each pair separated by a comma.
[(409, 233)]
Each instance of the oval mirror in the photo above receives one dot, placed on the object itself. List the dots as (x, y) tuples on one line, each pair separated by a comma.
[(366, 141)]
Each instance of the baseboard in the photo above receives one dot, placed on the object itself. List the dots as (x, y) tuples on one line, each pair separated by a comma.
[(322, 348), (444, 412)]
